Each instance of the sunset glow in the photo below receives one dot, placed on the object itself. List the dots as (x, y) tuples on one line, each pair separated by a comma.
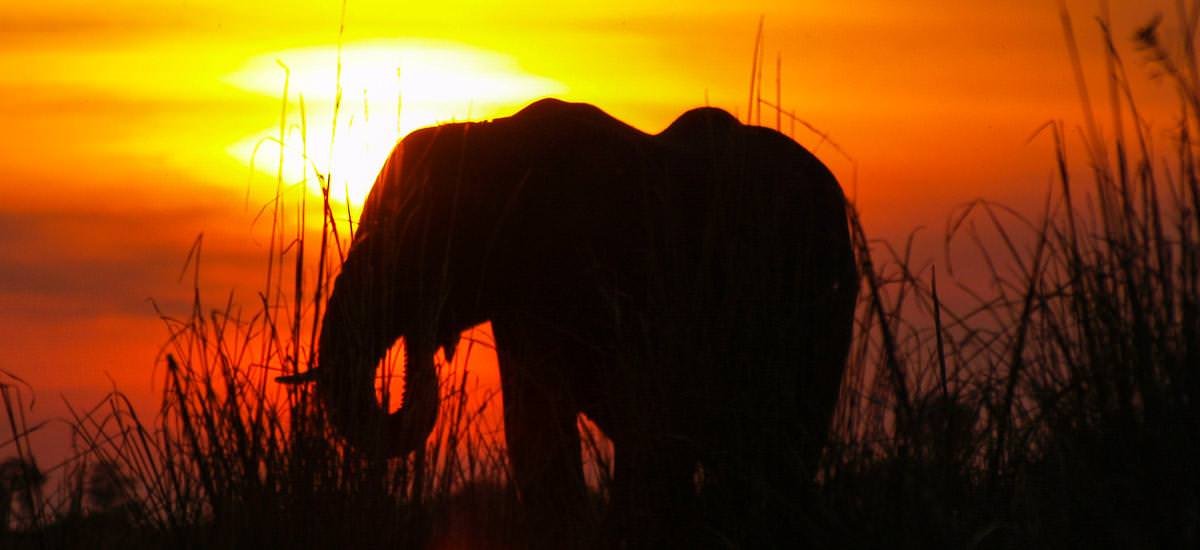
[(388, 88)]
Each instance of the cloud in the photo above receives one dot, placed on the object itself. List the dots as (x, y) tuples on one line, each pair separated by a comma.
[(90, 262)]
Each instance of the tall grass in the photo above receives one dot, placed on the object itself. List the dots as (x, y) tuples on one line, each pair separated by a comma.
[(1059, 407), (236, 459), (233, 459)]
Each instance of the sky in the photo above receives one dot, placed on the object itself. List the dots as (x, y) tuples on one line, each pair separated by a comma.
[(129, 126)]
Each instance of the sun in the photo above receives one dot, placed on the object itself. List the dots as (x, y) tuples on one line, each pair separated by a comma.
[(388, 88)]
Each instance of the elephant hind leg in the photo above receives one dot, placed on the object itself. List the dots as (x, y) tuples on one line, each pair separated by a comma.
[(757, 487), (653, 494)]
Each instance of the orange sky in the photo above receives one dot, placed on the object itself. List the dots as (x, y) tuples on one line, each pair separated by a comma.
[(126, 124)]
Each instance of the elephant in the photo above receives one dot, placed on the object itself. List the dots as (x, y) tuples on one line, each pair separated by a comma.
[(692, 292)]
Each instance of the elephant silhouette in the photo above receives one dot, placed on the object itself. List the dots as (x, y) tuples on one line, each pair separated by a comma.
[(691, 292)]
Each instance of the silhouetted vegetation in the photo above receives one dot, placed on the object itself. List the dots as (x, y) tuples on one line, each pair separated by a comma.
[(1058, 407)]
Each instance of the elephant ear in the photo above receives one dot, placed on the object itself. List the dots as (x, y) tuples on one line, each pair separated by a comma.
[(381, 202), (401, 179)]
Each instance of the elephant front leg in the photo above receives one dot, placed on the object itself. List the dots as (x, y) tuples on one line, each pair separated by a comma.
[(543, 445)]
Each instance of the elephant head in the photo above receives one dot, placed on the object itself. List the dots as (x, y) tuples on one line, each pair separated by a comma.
[(362, 320), (392, 286)]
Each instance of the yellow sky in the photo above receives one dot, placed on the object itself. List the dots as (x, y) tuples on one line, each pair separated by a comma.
[(81, 82), (126, 123)]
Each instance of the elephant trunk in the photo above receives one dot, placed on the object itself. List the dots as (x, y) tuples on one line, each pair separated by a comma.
[(360, 324)]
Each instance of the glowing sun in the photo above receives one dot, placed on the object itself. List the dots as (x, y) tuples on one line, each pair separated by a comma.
[(388, 88)]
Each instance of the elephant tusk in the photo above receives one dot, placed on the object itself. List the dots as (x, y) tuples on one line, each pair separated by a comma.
[(299, 378)]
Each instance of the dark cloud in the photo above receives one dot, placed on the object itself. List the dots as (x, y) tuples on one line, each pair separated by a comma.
[(107, 25), (80, 263)]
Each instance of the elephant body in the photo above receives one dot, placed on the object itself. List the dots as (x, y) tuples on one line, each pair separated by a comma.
[(691, 292)]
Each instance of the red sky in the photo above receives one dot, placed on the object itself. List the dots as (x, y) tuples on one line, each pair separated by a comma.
[(127, 125)]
